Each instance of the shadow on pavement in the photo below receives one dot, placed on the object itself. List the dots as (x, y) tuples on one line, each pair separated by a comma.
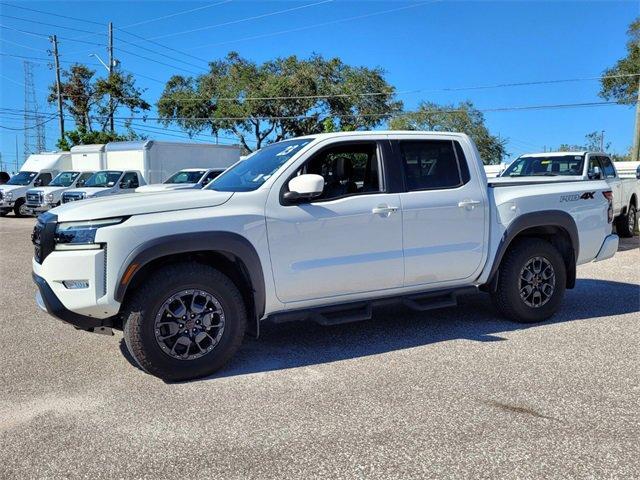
[(632, 243), (297, 344), (291, 345)]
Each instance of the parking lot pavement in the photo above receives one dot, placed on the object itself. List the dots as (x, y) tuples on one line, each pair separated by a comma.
[(449, 393)]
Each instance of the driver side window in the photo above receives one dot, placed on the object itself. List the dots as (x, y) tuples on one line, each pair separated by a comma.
[(43, 180), (347, 169), (130, 180)]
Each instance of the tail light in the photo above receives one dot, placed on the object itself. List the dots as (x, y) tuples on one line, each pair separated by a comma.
[(609, 196)]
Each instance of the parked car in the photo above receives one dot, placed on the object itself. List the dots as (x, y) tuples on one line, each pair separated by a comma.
[(105, 183), (40, 200), (37, 171), (319, 228), (184, 179), (563, 166), (4, 177)]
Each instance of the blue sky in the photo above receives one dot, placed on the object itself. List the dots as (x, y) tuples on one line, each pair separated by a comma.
[(430, 46)]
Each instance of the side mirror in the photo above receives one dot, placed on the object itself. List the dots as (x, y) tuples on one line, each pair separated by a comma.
[(638, 172), (595, 174), (304, 187)]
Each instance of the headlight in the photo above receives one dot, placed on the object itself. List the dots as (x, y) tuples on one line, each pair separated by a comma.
[(49, 197), (81, 233), (8, 195)]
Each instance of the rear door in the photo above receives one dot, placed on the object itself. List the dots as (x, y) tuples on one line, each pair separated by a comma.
[(444, 212)]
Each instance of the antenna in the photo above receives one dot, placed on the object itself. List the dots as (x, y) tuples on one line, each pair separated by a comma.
[(34, 136)]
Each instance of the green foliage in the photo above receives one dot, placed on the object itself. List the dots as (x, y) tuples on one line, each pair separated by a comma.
[(81, 136), (247, 99), (463, 118), (592, 143), (86, 98), (625, 89)]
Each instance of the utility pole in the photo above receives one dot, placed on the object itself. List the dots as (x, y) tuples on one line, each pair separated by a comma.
[(54, 40), (16, 171), (602, 141), (111, 112), (635, 154)]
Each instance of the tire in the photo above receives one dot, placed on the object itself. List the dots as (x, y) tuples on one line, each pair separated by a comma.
[(515, 266), (17, 208), (146, 307), (626, 224)]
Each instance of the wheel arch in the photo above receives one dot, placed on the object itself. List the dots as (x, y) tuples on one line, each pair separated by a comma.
[(228, 252), (555, 226)]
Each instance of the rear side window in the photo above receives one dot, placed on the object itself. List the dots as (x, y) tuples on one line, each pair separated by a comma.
[(130, 180), (607, 166), (432, 164)]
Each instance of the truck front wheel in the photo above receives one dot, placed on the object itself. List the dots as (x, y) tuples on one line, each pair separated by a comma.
[(20, 209), (531, 281), (186, 321)]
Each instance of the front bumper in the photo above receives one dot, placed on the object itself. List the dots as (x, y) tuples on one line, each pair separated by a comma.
[(34, 209), (50, 303), (608, 249)]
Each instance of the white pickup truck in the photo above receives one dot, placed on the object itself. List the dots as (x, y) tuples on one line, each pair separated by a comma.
[(45, 198), (566, 166), (183, 180), (106, 183), (319, 228)]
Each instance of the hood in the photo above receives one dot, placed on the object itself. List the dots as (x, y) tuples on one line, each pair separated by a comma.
[(12, 188), (46, 190), (163, 187), (138, 204), (90, 192)]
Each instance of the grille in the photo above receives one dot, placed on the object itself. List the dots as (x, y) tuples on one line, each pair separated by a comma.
[(34, 199), (72, 197)]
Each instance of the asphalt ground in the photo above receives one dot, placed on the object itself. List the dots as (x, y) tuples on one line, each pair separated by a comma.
[(453, 393)]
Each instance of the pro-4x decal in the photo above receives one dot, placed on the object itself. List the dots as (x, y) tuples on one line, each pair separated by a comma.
[(576, 196)]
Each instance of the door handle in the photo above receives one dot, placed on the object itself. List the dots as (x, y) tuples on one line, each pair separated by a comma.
[(384, 210), (468, 203)]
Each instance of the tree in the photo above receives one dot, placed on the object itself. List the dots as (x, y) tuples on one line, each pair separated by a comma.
[(278, 99), (461, 118), (85, 98), (624, 89)]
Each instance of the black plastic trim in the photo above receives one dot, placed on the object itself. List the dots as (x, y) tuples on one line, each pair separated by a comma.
[(56, 309), (543, 218), (222, 242)]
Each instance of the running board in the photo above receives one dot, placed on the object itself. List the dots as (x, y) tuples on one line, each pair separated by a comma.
[(359, 311)]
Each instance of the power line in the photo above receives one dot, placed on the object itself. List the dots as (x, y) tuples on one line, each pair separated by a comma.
[(32, 126), (21, 45), (144, 22), (48, 24), (241, 20), (49, 13), (323, 24)]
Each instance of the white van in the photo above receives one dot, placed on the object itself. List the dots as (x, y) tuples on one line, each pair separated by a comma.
[(37, 171)]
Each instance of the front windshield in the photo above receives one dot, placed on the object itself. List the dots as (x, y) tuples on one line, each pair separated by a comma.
[(64, 179), (249, 174), (22, 178), (545, 166), (106, 178), (186, 177)]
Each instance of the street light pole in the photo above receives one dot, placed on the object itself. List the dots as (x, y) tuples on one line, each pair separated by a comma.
[(111, 112)]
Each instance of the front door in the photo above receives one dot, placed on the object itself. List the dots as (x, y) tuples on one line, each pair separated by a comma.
[(347, 241), (443, 211)]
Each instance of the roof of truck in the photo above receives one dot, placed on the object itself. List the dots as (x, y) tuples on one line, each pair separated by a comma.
[(561, 154), (147, 144), (95, 147), (357, 133)]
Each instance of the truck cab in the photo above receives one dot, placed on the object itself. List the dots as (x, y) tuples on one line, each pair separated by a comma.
[(40, 200), (184, 179), (105, 183), (13, 193)]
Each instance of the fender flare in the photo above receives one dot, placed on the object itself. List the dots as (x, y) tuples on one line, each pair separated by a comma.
[(543, 218), (221, 242)]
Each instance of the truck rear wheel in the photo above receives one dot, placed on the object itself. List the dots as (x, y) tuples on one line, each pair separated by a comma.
[(626, 224), (185, 322), (531, 281)]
